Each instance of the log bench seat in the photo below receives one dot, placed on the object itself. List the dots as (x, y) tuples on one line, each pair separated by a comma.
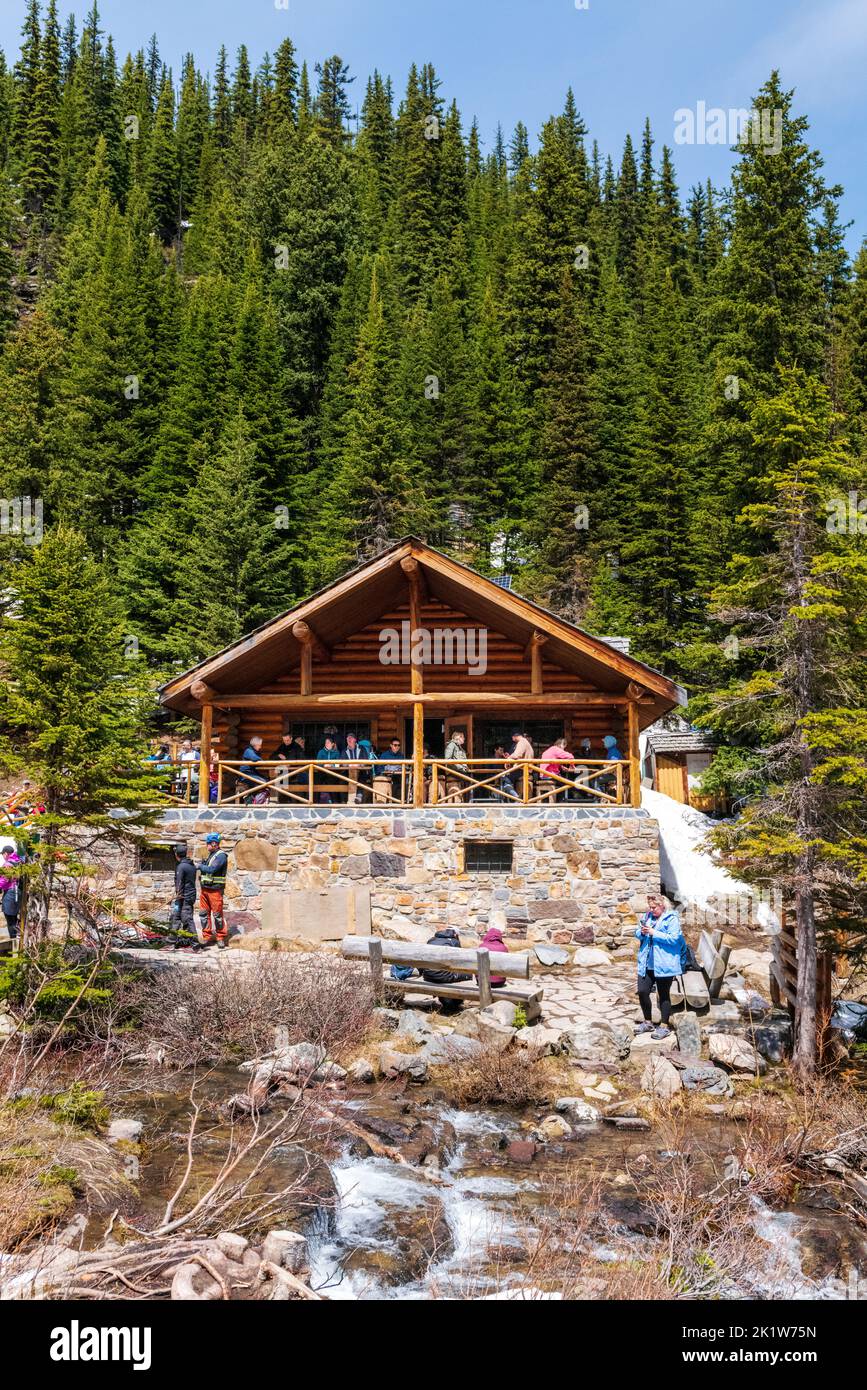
[(478, 963)]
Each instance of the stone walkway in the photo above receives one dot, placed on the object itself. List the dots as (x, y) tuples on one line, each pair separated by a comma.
[(584, 991)]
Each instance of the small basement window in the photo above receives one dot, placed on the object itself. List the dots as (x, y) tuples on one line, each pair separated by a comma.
[(157, 859), (488, 856)]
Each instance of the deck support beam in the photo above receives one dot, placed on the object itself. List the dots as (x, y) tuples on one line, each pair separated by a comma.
[(205, 754), (418, 754)]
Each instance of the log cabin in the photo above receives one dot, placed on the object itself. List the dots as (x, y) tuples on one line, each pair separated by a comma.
[(411, 647)]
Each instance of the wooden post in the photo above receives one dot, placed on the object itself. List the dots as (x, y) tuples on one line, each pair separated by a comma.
[(525, 785), (307, 669), (537, 642), (619, 776), (410, 568), (418, 755), (220, 782), (434, 785), (483, 977), (375, 951), (311, 775), (634, 759), (205, 759)]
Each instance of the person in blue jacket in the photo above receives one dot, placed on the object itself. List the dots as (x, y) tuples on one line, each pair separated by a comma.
[(660, 959)]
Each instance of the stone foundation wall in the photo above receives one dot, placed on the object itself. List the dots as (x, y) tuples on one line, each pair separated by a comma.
[(579, 874)]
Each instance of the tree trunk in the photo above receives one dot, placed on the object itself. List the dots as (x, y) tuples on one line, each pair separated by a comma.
[(39, 892), (806, 1053)]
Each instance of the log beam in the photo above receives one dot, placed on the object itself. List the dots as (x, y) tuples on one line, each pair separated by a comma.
[(303, 633), (414, 579), (534, 651), (418, 754), (449, 700), (201, 691)]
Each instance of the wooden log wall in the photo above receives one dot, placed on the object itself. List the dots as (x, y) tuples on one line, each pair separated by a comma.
[(354, 666)]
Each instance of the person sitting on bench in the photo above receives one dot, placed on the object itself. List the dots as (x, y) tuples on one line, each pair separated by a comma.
[(493, 941), (446, 936)]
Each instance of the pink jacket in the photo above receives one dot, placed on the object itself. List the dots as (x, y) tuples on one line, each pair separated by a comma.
[(493, 942)]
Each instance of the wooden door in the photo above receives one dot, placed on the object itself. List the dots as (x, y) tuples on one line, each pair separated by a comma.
[(671, 778)]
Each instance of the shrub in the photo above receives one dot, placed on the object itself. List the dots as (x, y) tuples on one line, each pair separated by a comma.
[(313, 998), (493, 1077), (78, 1106)]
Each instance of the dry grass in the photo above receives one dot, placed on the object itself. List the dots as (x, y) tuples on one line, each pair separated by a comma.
[(494, 1077), (313, 998)]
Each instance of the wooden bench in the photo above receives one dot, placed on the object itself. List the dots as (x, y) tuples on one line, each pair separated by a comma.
[(478, 963)]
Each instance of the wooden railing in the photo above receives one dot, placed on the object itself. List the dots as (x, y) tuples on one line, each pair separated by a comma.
[(393, 783)]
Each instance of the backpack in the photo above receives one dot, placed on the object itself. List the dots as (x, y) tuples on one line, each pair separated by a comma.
[(402, 972), (687, 958)]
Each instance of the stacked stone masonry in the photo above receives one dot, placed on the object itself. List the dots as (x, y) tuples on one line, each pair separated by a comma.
[(578, 875)]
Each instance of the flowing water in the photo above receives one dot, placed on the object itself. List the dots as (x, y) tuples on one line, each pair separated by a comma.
[(465, 1222)]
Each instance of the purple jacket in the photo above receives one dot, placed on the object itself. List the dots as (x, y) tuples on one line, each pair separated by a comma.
[(493, 942)]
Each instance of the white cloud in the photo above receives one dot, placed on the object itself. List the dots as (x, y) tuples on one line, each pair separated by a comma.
[(822, 52)]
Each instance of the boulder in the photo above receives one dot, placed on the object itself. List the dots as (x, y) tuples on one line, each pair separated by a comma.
[(400, 928), (704, 1076), (755, 966), (552, 1128), (393, 1064), (387, 1019), (521, 1151), (661, 1079), (361, 1072), (773, 1039), (415, 1026), (590, 957), (300, 1060), (688, 1034), (503, 1011), (595, 1040), (645, 1045), (329, 1071), (735, 1053), (448, 1049), (495, 1034), (694, 992), (287, 1249), (551, 955), (125, 1131), (541, 1041), (577, 1110)]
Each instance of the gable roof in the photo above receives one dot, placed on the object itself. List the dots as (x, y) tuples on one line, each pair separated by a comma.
[(379, 585)]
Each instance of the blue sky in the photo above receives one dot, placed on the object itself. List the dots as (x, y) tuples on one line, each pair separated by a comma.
[(510, 60)]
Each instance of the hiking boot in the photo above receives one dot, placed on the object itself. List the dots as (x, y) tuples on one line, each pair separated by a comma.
[(644, 1028), (221, 945), (661, 1032)]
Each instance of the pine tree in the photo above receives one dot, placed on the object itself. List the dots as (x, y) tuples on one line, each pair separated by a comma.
[(795, 598), (231, 576), (370, 501), (40, 170), (162, 173), (73, 708), (333, 108)]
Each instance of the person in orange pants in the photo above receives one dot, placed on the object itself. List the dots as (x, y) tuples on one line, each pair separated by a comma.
[(213, 883)]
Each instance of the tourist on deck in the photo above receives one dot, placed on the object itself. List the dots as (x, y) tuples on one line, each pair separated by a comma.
[(505, 788), (213, 883), (162, 754), (255, 795), (554, 760), (188, 779), (359, 777), (456, 787), (660, 957), (522, 752), (10, 890), (393, 755), (493, 941), (331, 788), (183, 920), (446, 936), (283, 753)]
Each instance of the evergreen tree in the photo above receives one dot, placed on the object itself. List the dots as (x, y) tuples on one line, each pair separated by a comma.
[(795, 598), (73, 708)]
